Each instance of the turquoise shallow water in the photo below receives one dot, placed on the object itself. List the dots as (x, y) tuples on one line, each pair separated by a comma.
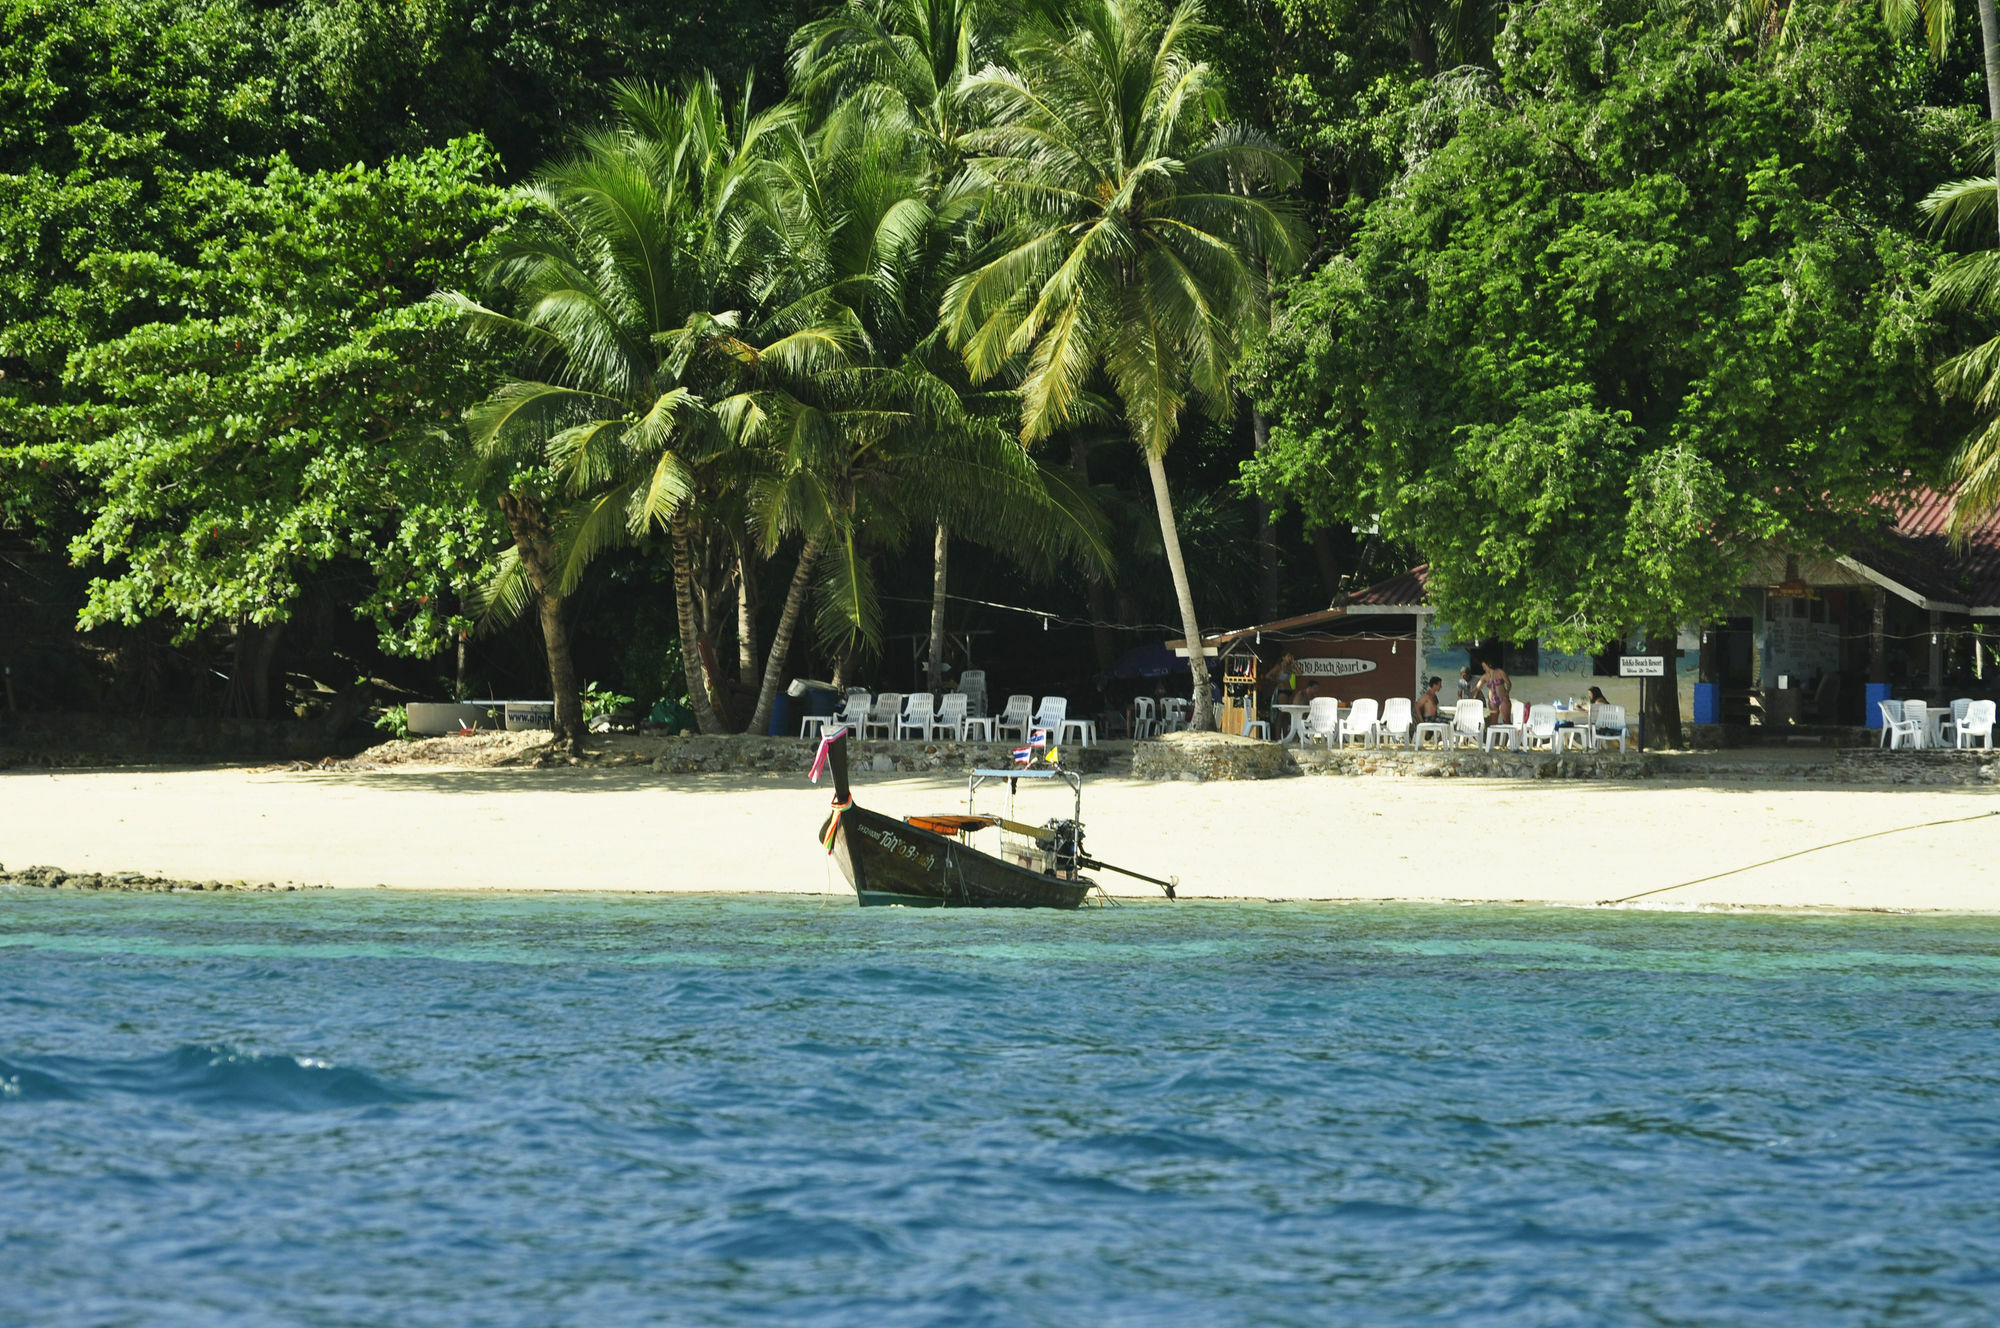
[(373, 1109)]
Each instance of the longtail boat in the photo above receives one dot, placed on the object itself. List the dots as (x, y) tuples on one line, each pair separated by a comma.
[(931, 862)]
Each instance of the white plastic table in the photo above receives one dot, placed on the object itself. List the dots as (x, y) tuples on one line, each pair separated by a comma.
[(1578, 732), (1297, 715)]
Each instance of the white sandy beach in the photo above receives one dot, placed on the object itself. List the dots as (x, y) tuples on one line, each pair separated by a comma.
[(1313, 838)]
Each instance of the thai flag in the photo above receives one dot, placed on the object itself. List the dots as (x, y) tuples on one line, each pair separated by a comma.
[(1025, 755), (819, 757)]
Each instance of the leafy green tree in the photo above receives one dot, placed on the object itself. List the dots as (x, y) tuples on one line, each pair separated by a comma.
[(1134, 232), (1648, 306), (288, 405)]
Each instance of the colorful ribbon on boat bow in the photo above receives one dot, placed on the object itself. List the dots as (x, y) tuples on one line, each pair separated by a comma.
[(831, 831), (825, 744)]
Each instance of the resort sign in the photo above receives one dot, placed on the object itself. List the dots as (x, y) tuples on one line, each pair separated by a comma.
[(1642, 666), (1331, 667)]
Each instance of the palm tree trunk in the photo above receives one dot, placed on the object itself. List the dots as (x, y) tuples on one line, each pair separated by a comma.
[(536, 543), (705, 717), (1989, 45), (746, 618), (781, 640), (1101, 639), (940, 553), (1170, 536), (1267, 531)]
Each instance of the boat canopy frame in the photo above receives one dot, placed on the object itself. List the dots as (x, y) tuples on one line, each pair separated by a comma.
[(979, 778)]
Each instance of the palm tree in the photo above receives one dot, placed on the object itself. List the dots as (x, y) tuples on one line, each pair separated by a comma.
[(649, 359), (530, 573), (897, 441), (1133, 230), (901, 64), (1971, 282), (1768, 21), (1938, 18)]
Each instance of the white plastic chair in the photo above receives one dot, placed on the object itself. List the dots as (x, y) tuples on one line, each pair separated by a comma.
[(919, 715), (1978, 723), (1055, 709), (1322, 722), (950, 716), (1142, 717), (1892, 715), (1173, 714), (1360, 722), (1916, 725), (1468, 723), (1396, 717), (1948, 729), (1014, 719), (973, 683), (1607, 725), (851, 713), (1513, 731), (885, 714), (1540, 730)]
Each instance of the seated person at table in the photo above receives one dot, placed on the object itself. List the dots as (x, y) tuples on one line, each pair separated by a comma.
[(1427, 703), (1596, 698)]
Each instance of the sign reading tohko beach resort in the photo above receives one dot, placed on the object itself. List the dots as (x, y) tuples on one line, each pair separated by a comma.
[(1642, 666), (1334, 668)]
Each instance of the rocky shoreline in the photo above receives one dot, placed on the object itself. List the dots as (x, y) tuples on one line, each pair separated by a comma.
[(55, 878)]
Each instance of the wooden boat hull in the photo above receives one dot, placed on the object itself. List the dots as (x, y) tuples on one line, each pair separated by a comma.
[(888, 861)]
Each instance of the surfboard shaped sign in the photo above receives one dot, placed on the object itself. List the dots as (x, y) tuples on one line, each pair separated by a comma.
[(1333, 667)]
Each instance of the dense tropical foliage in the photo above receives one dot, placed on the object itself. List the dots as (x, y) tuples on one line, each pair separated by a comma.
[(505, 345)]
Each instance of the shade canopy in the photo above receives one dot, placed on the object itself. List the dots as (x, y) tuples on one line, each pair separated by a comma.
[(1151, 661)]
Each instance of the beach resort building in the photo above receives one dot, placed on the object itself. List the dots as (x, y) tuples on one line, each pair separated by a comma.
[(1814, 637)]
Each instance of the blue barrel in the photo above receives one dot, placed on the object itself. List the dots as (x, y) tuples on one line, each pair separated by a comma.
[(1872, 696), (1708, 703)]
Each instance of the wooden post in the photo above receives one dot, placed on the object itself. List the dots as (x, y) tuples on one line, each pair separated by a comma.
[(1417, 649), (1937, 652), (1878, 659)]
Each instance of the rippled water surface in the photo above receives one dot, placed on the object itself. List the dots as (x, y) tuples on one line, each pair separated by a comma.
[(369, 1109)]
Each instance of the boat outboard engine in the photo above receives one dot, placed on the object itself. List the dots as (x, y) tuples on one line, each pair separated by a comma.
[(1064, 845)]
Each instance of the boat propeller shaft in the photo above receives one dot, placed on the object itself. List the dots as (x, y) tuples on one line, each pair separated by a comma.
[(1092, 864)]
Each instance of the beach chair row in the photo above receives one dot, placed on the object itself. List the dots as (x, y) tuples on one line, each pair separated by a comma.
[(926, 715), (1544, 726)]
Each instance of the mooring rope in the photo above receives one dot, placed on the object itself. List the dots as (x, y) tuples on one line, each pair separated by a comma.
[(1735, 871)]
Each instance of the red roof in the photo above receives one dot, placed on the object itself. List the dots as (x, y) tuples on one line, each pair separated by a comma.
[(1403, 592), (1917, 553)]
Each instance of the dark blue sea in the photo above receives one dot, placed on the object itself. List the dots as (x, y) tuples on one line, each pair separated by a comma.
[(329, 1109)]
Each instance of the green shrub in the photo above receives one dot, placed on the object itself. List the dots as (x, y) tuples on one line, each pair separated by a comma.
[(394, 721)]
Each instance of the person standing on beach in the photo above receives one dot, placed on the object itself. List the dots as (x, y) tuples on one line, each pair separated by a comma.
[(1496, 690), (1467, 688)]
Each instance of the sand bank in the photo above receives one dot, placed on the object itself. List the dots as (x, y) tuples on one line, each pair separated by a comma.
[(1290, 839)]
